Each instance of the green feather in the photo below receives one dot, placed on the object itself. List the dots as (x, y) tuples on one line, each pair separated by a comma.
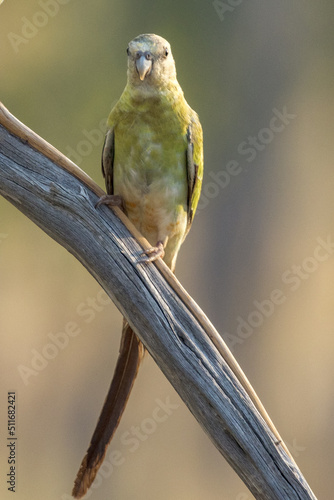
[(153, 154)]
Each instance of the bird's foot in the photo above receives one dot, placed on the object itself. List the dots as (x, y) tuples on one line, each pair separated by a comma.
[(153, 253), (112, 200)]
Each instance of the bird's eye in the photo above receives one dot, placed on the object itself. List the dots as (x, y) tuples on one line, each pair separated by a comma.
[(128, 51), (166, 52)]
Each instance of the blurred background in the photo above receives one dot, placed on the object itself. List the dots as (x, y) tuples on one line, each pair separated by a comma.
[(259, 259)]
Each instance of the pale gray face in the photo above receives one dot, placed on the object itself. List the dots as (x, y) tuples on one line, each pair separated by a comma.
[(150, 61)]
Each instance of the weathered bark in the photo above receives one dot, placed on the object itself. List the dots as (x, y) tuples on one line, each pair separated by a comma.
[(61, 199)]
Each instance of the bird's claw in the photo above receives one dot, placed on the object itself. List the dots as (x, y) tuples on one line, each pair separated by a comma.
[(153, 253), (112, 200)]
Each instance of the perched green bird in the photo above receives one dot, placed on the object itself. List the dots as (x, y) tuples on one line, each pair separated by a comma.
[(153, 166)]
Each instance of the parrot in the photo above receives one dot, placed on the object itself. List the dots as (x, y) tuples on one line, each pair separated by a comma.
[(152, 162)]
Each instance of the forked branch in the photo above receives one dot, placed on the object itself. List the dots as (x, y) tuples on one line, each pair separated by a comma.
[(60, 198)]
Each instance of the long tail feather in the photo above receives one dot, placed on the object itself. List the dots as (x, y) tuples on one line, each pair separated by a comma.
[(130, 356)]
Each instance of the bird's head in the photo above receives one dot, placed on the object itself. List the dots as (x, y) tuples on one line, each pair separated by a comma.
[(150, 61)]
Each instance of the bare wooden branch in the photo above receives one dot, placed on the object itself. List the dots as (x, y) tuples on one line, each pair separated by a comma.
[(60, 198)]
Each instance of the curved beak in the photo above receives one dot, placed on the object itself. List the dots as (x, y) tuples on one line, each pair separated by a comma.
[(144, 66)]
